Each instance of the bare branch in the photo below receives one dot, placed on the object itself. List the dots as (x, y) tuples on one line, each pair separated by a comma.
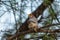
[(38, 30), (36, 13)]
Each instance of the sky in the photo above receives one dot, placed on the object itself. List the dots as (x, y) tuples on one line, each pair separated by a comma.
[(7, 21)]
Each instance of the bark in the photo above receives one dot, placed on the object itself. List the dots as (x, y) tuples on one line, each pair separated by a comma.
[(24, 27), (36, 13)]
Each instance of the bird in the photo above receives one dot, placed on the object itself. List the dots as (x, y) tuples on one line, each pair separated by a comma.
[(32, 22)]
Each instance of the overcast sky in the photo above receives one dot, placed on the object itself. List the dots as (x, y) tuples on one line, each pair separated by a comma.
[(7, 21)]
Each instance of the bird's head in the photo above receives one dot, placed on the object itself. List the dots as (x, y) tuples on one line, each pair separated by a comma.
[(30, 15)]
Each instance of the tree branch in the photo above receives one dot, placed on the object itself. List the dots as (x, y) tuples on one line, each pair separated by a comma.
[(36, 13), (32, 31), (24, 27), (47, 26), (38, 30)]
